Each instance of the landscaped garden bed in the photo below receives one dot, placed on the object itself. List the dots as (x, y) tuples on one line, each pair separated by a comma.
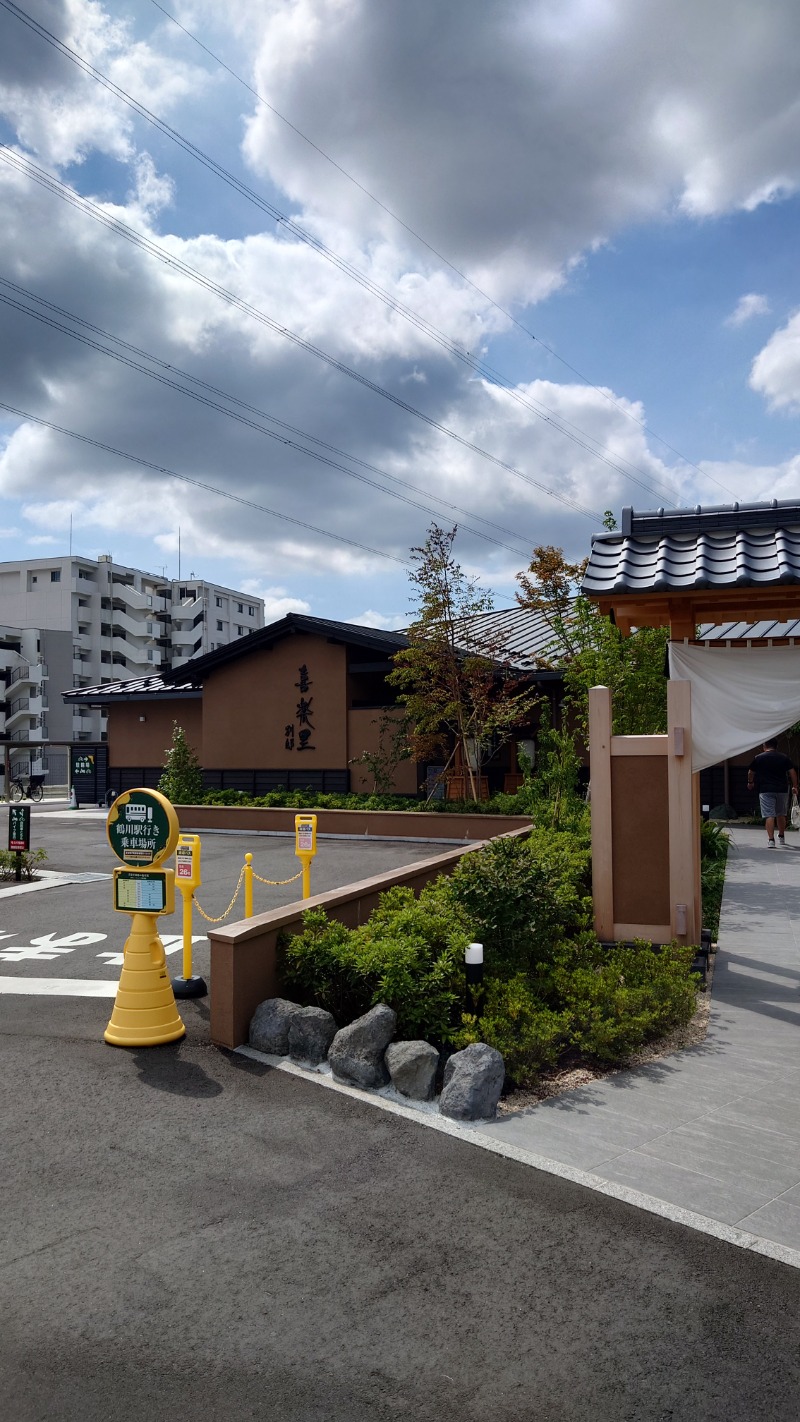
[(552, 996)]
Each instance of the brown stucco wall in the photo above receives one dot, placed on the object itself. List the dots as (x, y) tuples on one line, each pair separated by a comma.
[(640, 839), (385, 824), (247, 705), (363, 735), (135, 742)]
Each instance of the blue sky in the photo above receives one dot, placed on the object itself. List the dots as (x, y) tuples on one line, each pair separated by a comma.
[(623, 176)]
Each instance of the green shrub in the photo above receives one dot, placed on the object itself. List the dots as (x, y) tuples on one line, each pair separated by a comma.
[(29, 861), (528, 1035), (521, 896), (409, 954), (714, 841), (182, 781), (618, 998)]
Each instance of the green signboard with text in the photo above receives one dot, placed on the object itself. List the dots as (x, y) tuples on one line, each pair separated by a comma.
[(19, 828), (142, 828)]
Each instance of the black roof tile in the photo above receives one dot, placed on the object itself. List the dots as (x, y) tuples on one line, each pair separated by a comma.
[(678, 550)]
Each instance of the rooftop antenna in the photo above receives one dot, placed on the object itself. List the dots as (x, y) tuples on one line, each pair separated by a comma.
[(179, 552), (70, 535)]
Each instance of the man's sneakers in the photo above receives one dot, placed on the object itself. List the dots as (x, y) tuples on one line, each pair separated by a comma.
[(770, 844), (782, 841)]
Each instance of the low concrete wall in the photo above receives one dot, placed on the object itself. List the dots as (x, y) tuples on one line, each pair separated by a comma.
[(386, 824), (244, 967)]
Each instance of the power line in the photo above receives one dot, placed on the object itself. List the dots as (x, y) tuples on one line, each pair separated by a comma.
[(197, 483), (580, 437), (213, 489), (88, 208), (503, 310), (166, 373)]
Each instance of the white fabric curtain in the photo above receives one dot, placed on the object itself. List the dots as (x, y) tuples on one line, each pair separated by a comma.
[(741, 696)]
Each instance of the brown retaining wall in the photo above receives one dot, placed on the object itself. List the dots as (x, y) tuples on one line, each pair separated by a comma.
[(244, 955), (387, 824)]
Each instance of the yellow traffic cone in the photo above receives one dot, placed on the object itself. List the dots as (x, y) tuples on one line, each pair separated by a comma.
[(144, 1013)]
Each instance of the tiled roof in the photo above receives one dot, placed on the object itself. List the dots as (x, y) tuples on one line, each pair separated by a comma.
[(678, 550), (748, 631), (515, 635), (134, 689)]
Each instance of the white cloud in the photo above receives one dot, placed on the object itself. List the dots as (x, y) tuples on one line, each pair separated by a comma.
[(386, 623), (775, 372), (591, 117), (516, 138), (747, 307)]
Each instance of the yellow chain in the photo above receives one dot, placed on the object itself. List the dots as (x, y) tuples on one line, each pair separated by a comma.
[(207, 917), (275, 882)]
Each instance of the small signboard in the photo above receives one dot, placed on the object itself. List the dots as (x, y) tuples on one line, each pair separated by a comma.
[(144, 891), (19, 828), (305, 833), (142, 828)]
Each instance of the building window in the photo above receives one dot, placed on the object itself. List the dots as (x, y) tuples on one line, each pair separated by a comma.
[(55, 576), (240, 631), (251, 610), (219, 626), (34, 578), (218, 601), (240, 607)]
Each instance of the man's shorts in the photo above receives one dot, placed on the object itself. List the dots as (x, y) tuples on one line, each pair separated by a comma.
[(773, 804)]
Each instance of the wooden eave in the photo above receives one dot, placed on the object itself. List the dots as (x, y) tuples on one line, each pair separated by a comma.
[(682, 611)]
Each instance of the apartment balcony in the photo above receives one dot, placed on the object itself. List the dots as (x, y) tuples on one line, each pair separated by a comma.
[(125, 597), (18, 707), (33, 674)]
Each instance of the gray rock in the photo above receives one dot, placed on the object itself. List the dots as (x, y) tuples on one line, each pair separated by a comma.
[(473, 1080), (269, 1028), (311, 1032), (412, 1068), (356, 1054)]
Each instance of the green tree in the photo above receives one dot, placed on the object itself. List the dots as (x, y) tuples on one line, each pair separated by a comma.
[(457, 697), (591, 651), (182, 780), (392, 748)]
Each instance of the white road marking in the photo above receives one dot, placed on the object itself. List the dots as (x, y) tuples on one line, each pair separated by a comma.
[(59, 987), (47, 879), (173, 943)]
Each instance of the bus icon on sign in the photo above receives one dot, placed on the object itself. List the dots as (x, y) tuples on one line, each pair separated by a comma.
[(138, 813)]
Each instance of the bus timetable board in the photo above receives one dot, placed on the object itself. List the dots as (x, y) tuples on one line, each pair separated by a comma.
[(144, 891)]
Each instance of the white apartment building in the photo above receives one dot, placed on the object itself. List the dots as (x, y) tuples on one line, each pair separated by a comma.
[(72, 622)]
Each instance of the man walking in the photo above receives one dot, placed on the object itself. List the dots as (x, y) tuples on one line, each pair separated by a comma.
[(770, 772)]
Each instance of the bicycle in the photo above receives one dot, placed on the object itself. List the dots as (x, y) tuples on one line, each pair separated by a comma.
[(34, 790)]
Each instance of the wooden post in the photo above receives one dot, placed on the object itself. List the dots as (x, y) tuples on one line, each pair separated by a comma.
[(600, 781), (683, 886)]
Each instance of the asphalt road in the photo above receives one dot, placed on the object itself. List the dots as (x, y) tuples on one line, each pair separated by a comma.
[(189, 1233), (72, 930)]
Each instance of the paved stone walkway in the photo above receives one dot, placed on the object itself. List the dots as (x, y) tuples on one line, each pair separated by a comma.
[(714, 1129)]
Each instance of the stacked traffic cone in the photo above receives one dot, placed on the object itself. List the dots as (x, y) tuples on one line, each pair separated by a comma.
[(144, 1013)]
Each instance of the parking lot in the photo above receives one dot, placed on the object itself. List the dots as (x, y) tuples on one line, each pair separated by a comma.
[(61, 936)]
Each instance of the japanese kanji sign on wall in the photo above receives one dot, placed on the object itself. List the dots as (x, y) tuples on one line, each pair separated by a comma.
[(142, 828), (297, 734)]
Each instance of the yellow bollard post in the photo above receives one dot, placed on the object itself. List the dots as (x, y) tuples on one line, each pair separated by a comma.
[(142, 829), (305, 847), (144, 1013), (187, 877), (248, 886)]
